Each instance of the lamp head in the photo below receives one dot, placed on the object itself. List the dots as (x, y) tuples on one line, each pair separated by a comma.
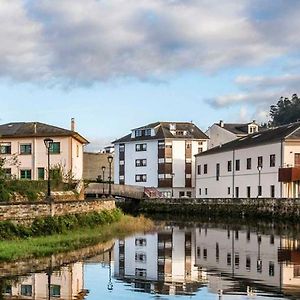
[(110, 159), (259, 168), (48, 142), (103, 168)]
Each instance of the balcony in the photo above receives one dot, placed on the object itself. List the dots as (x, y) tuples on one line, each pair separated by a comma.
[(289, 174)]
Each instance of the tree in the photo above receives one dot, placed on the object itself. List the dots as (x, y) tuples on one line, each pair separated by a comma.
[(285, 111)]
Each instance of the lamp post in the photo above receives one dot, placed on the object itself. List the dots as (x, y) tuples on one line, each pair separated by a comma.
[(172, 192), (110, 160), (259, 168), (103, 172), (259, 261), (48, 142), (110, 284)]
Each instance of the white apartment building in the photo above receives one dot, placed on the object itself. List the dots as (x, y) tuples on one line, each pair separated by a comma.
[(23, 149), (160, 155), (263, 164), (222, 133)]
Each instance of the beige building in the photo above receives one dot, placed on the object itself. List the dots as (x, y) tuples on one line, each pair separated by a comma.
[(22, 146), (92, 166)]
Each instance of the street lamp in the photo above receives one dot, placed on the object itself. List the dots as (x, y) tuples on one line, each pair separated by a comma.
[(103, 172), (259, 261), (259, 168), (172, 193), (110, 160), (110, 284), (48, 142)]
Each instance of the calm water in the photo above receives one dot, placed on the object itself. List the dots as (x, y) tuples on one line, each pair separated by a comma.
[(199, 261)]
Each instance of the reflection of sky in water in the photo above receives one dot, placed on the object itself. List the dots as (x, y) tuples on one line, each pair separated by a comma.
[(96, 280)]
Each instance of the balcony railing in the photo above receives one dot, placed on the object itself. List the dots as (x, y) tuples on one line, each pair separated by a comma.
[(289, 174)]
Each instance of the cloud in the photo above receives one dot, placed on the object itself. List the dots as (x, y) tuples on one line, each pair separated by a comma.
[(86, 41)]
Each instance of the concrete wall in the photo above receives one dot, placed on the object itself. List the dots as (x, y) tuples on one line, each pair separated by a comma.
[(92, 166), (29, 211), (218, 136)]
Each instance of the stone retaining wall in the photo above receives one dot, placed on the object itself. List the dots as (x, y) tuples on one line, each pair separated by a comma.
[(27, 211)]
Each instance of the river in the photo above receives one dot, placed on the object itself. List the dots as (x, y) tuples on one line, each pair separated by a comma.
[(179, 261)]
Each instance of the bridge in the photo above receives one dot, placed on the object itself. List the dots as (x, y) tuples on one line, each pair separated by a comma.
[(97, 190)]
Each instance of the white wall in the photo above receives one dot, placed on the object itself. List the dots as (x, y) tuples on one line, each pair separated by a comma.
[(218, 136), (242, 178)]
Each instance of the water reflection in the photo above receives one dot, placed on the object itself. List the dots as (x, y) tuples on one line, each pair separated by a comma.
[(201, 262)]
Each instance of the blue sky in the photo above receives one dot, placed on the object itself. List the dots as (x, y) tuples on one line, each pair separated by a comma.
[(118, 64)]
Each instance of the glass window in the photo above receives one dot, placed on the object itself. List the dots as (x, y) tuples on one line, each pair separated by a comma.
[(25, 149), (205, 169), (205, 253), (237, 165), (7, 172), (55, 148), (199, 169), (55, 290), (140, 178), (5, 148), (140, 242), (248, 163), (26, 290), (237, 260), (248, 191), (272, 160), (228, 190), (141, 147), (228, 259), (141, 162), (272, 191), (248, 263), (25, 174), (41, 173), (217, 171), (229, 166), (259, 192), (260, 161)]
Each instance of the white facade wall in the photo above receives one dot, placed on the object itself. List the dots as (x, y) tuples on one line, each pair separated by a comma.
[(243, 178), (70, 156), (218, 136)]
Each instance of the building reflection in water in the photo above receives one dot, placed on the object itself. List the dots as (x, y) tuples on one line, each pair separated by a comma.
[(67, 283), (179, 261)]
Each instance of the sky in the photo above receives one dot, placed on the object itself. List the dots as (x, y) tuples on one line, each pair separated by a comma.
[(115, 65)]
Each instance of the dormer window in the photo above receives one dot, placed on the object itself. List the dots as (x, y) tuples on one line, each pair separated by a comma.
[(252, 128), (143, 132)]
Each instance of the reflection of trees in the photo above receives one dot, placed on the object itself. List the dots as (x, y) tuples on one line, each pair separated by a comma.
[(2, 286)]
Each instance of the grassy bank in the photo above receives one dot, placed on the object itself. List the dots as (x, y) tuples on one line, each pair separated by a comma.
[(69, 240)]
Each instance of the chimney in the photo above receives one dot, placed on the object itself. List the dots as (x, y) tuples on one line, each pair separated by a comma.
[(221, 123), (72, 124), (34, 127)]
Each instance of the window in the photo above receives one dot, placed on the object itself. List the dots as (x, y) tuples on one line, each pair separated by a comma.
[(122, 147), (7, 172), (205, 191), (25, 174), (217, 252), (248, 235), (7, 290), (199, 169), (5, 148), (140, 178), (198, 252), (55, 148), (41, 173), (181, 194), (248, 163), (217, 172), (25, 149), (259, 190), (229, 166), (140, 272), (228, 259), (272, 191), (200, 150), (26, 290), (272, 160), (248, 263), (248, 192), (237, 165), (189, 194), (205, 169), (237, 260), (200, 192), (140, 257), (272, 239), (236, 234), (141, 147), (259, 265), (55, 290), (205, 253), (143, 132), (237, 192), (77, 150), (271, 269), (141, 162), (140, 242), (260, 161), (228, 190)]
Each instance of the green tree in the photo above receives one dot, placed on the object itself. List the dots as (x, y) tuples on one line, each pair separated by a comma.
[(285, 111)]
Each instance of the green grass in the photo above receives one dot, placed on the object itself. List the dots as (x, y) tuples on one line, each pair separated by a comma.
[(42, 246)]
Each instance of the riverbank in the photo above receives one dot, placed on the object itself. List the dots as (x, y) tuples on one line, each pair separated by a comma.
[(68, 240)]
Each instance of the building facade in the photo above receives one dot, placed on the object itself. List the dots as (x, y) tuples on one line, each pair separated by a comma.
[(25, 155), (264, 164), (221, 133), (160, 155)]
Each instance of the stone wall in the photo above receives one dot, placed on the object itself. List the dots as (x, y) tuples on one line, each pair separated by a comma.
[(253, 207), (27, 211)]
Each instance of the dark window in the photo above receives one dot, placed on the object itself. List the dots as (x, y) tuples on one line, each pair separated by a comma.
[(272, 160), (272, 191), (55, 290), (237, 165), (237, 194), (198, 252), (259, 190), (189, 194), (271, 269), (205, 253), (181, 194), (248, 191), (200, 191), (217, 252), (25, 174), (199, 169), (205, 169), (140, 178), (248, 235), (141, 147), (55, 148), (229, 166), (248, 263), (260, 161), (141, 162), (248, 163), (217, 172), (272, 239), (236, 234), (5, 148), (205, 191), (25, 149), (228, 259), (41, 173), (237, 260), (140, 242), (26, 290), (228, 190)]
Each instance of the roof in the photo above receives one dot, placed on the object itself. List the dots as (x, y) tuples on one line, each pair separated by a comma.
[(238, 128), (36, 129), (162, 131), (289, 131)]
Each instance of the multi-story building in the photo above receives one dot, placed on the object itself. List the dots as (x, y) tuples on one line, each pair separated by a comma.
[(22, 146), (262, 164), (160, 155), (221, 133)]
